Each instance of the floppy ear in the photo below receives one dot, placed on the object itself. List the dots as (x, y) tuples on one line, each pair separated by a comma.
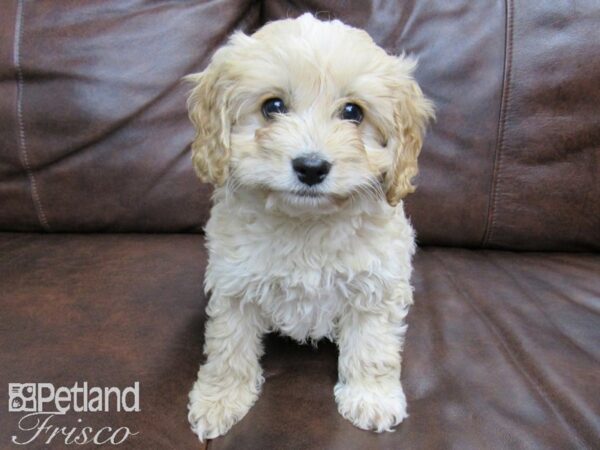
[(209, 112), (412, 113)]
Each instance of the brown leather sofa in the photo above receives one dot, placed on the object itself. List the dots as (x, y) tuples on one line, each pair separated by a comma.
[(101, 250)]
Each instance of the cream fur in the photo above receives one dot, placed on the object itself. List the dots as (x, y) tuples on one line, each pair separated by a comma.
[(335, 263)]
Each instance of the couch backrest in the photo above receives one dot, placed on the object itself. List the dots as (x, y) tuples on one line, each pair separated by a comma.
[(95, 136)]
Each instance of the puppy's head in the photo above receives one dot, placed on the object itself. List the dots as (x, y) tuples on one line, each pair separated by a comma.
[(312, 113)]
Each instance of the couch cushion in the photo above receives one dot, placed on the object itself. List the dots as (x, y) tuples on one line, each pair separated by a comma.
[(501, 351), (546, 183), (96, 136)]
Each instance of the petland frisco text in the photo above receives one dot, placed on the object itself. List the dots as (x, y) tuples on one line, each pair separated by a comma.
[(43, 401)]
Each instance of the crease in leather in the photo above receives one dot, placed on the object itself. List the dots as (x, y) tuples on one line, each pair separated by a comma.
[(502, 119), (577, 264), (153, 182), (513, 351), (561, 400), (22, 141), (113, 128), (517, 282), (118, 125)]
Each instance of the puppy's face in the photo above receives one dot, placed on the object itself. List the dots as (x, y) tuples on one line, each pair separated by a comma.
[(312, 113)]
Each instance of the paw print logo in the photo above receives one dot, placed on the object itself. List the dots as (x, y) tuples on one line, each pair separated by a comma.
[(21, 397)]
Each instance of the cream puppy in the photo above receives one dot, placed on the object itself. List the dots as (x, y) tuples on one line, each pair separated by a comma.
[(310, 134)]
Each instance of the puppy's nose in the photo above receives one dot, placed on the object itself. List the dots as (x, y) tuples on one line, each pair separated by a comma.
[(311, 169)]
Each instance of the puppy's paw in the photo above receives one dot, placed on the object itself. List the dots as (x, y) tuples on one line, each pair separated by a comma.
[(379, 407), (214, 409)]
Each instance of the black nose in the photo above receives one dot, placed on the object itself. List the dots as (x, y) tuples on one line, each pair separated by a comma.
[(311, 169)]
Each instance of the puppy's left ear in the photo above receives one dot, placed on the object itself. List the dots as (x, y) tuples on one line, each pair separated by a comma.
[(412, 113)]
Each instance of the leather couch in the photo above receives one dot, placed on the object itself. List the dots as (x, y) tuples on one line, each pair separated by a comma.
[(101, 249)]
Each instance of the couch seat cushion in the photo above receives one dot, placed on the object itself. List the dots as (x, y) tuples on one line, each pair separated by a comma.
[(501, 352)]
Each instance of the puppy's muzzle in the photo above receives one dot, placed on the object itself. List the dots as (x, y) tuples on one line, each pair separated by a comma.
[(311, 169)]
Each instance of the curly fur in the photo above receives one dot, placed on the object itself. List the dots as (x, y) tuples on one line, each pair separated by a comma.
[(335, 263)]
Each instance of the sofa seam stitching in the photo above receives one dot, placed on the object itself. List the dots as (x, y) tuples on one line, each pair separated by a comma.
[(500, 140), (22, 141)]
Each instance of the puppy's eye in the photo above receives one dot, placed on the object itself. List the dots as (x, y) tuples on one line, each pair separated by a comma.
[(273, 106), (352, 112)]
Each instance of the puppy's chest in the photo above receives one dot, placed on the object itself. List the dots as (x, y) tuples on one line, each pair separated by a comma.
[(301, 310), (302, 279), (303, 276), (302, 287)]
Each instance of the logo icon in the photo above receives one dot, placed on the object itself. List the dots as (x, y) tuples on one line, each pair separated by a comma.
[(22, 397)]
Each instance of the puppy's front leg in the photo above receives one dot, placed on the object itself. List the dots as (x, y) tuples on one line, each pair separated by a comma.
[(229, 382), (368, 392)]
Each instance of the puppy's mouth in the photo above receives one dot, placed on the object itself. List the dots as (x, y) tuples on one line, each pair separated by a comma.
[(305, 193), (302, 202), (312, 198)]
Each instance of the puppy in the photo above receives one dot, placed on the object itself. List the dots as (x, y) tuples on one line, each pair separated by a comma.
[(310, 134)]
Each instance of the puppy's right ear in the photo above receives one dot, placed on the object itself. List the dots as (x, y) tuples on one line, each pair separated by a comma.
[(209, 112)]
